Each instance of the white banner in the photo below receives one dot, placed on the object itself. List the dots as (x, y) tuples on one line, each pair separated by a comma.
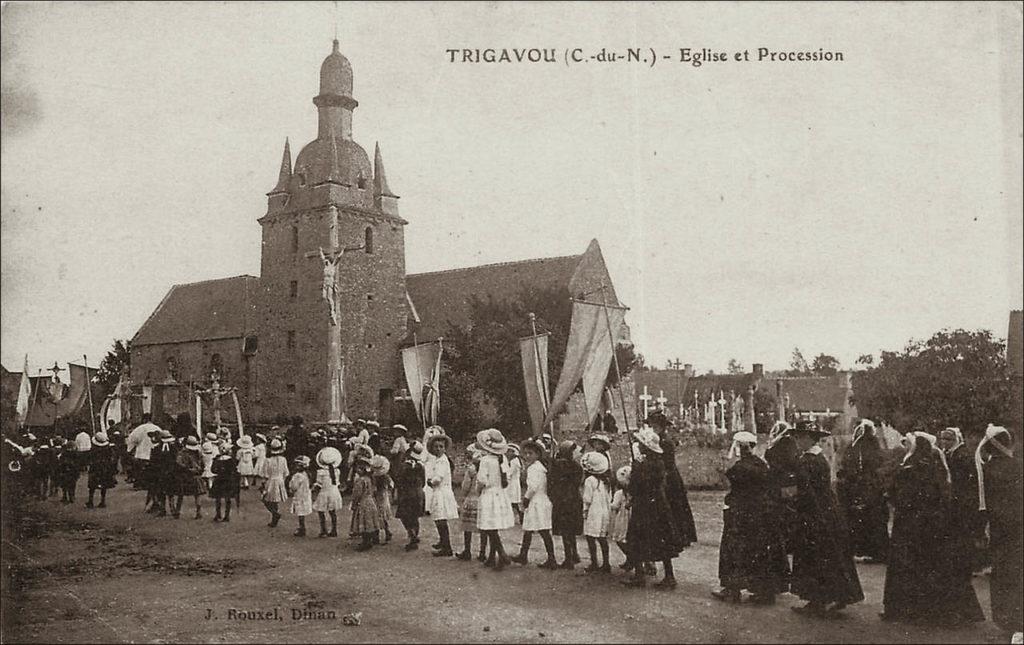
[(587, 355), (422, 365)]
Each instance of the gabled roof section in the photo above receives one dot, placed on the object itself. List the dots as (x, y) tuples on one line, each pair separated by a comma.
[(817, 393), (443, 297), (197, 311)]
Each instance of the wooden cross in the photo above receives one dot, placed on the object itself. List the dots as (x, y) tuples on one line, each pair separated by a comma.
[(645, 398), (216, 390)]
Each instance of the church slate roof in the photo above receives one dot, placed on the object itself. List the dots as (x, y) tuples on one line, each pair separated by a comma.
[(443, 297), (197, 311)]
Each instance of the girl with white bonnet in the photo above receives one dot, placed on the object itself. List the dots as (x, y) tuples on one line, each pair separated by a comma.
[(495, 512), (536, 505), (443, 506), (597, 508), (620, 508), (328, 496)]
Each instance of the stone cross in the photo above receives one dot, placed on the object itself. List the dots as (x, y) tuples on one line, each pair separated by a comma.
[(711, 413), (661, 398), (646, 398), (721, 407)]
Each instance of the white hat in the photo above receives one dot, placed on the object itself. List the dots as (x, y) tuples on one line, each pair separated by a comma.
[(492, 441), (594, 463), (649, 438), (328, 457)]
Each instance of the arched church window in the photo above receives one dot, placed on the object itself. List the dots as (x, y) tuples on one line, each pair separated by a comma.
[(302, 179), (368, 240), (361, 182), (295, 239)]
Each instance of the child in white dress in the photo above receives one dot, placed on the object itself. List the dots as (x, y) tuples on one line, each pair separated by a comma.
[(246, 457), (536, 506), (495, 512), (596, 509), (328, 495), (209, 452), (515, 484), (302, 498), (443, 506), (620, 515)]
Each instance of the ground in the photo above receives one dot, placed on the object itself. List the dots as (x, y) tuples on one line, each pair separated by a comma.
[(71, 574)]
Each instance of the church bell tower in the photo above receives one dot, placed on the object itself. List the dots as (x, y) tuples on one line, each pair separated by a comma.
[(332, 306)]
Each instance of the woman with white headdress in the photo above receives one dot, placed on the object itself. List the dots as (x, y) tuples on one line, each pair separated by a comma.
[(966, 523), (920, 581), (752, 555), (861, 488), (999, 494)]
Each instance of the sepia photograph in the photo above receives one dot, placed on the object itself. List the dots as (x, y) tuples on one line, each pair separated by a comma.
[(511, 322)]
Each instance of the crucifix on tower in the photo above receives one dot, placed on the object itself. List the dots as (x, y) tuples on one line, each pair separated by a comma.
[(329, 294)]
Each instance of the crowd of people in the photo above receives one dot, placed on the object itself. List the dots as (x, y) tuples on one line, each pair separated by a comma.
[(786, 528)]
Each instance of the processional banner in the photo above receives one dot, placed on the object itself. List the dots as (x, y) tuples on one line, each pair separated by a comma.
[(534, 352), (588, 355), (422, 365)]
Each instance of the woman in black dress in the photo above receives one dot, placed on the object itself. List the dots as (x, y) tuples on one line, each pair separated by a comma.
[(861, 491), (752, 555), (102, 468), (564, 481), (922, 582), (652, 533)]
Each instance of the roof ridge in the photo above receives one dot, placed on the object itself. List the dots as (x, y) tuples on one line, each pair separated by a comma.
[(494, 264), (233, 277)]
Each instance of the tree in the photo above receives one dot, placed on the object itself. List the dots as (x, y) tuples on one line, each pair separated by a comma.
[(798, 364), (955, 378), (735, 367), (483, 362), (764, 409), (825, 365), (116, 362), (866, 359)]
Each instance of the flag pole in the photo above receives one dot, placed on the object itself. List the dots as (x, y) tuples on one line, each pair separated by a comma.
[(88, 389), (416, 363), (540, 370), (35, 395), (615, 359)]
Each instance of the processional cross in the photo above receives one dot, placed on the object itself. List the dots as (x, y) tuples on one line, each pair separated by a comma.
[(216, 391)]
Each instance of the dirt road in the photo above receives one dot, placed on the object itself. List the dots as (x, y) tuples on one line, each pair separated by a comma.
[(115, 574)]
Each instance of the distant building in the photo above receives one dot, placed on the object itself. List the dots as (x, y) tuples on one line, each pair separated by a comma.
[(825, 399)]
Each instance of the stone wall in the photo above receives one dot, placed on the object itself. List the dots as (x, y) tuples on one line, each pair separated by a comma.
[(294, 380), (194, 365)]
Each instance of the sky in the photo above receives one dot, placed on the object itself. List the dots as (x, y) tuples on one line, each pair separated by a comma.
[(744, 209)]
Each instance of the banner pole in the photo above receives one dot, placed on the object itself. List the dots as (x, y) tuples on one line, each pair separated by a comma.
[(88, 389), (615, 358), (416, 363), (35, 396), (540, 371)]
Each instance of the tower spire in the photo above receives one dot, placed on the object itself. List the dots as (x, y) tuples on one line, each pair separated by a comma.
[(380, 179), (285, 174)]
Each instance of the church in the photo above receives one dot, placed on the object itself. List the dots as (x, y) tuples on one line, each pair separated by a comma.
[(332, 287)]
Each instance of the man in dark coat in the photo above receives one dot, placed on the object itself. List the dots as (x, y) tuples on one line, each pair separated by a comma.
[(999, 492), (823, 570), (103, 459), (922, 581), (862, 494), (565, 480), (163, 463), (752, 555), (783, 458), (652, 534)]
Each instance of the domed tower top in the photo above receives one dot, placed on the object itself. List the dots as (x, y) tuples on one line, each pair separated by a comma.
[(336, 74), (334, 103)]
